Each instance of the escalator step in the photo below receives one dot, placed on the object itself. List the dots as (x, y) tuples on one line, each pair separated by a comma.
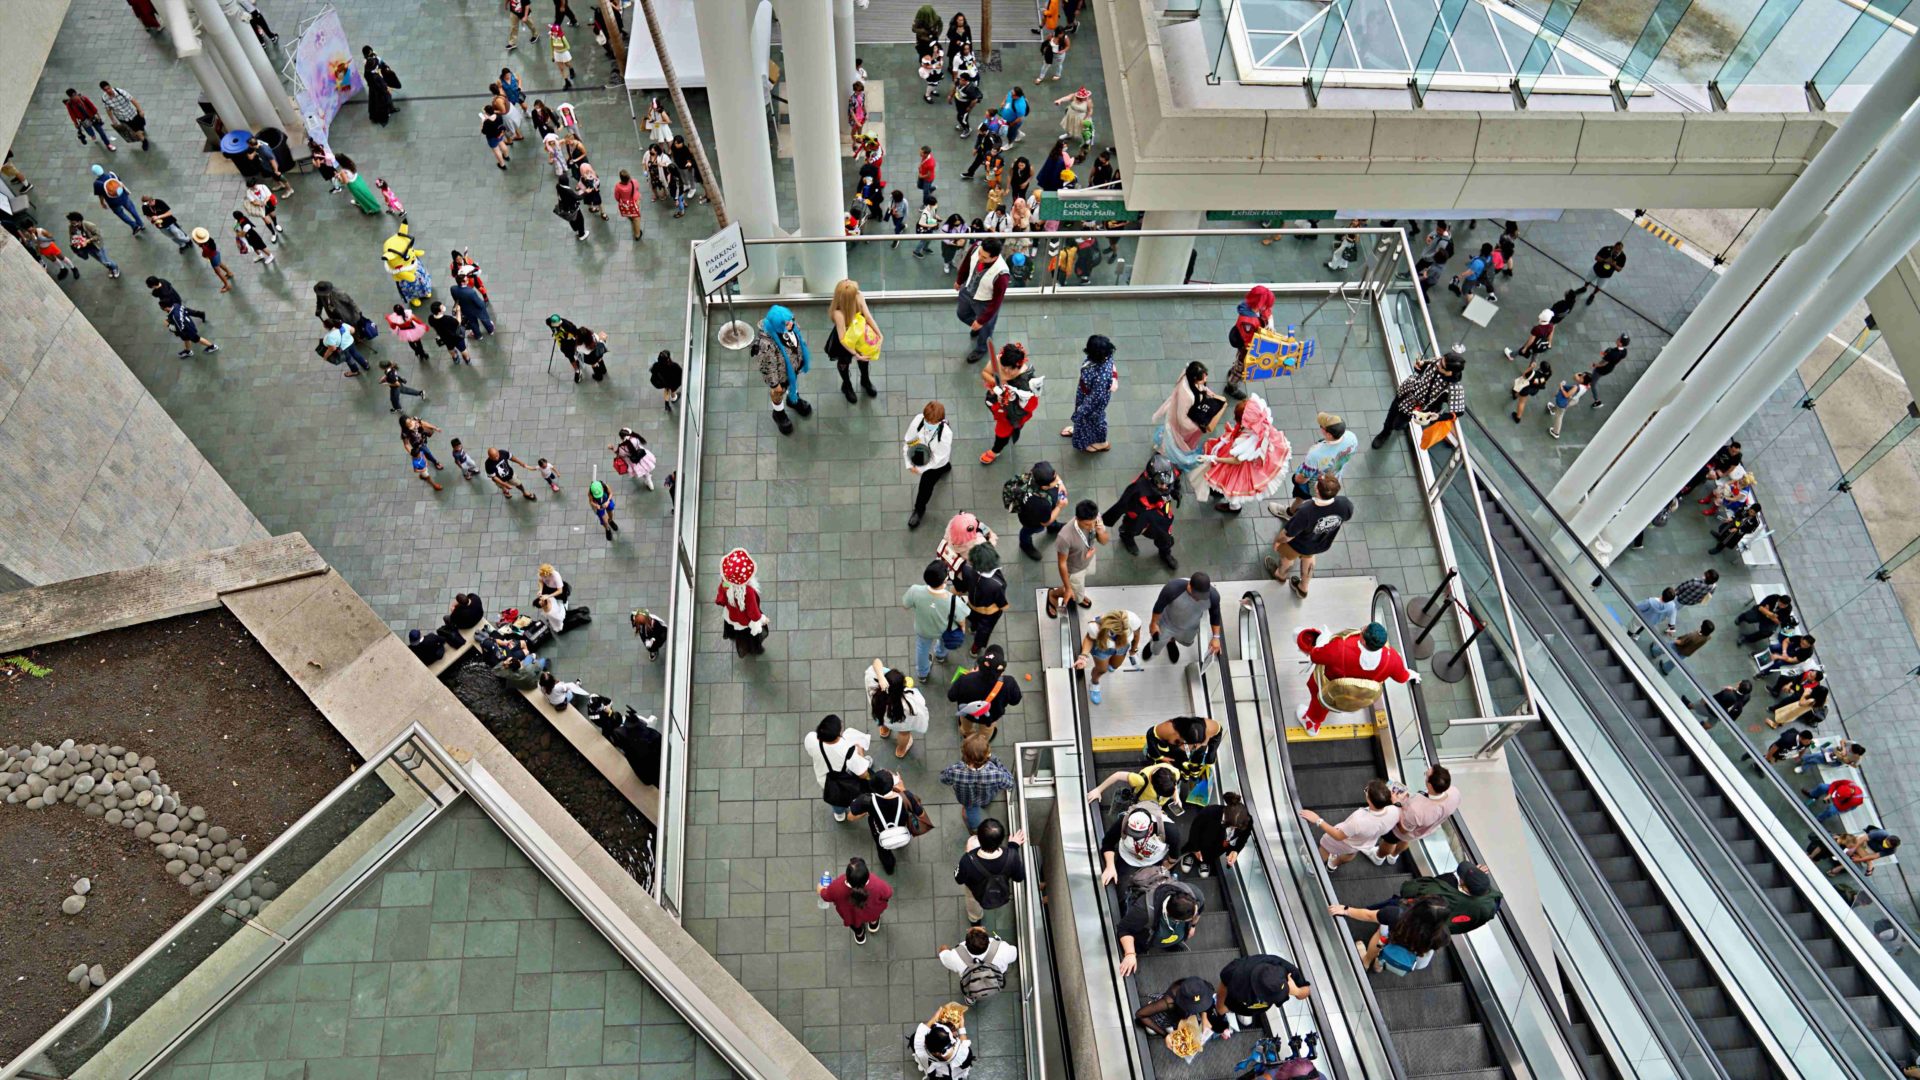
[(1626, 868), (1470, 1074), (1159, 970), (1445, 1049), (1872, 1011), (1359, 891), (1439, 1006), (1733, 828), (1767, 872), (1638, 893), (1825, 952), (1308, 756), (1805, 925), (1850, 981), (1599, 1065), (1727, 1033), (1707, 1002), (1653, 920), (1334, 784), (1745, 1063), (1580, 802), (1208, 888), (1666, 945), (1607, 846), (1689, 974), (1895, 1041), (1593, 824), (1440, 973), (1698, 786)]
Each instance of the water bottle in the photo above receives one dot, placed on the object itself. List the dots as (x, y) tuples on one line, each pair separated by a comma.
[(826, 879)]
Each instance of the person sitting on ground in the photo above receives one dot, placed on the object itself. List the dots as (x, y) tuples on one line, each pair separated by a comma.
[(1793, 742), (1188, 996), (517, 674)]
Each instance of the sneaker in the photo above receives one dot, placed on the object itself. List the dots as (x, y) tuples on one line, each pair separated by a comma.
[(184, 353), (859, 935), (1509, 353), (873, 927), (1093, 694), (1276, 509), (212, 349), (839, 815), (913, 519), (1173, 651)]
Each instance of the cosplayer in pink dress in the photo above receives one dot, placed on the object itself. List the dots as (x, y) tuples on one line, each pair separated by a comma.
[(1246, 461)]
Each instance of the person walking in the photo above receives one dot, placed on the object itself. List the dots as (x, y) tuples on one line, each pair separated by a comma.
[(1434, 391), (499, 469), (396, 385), (987, 145), (989, 869), (783, 356), (977, 779), (1053, 56), (448, 332), (744, 622), (626, 199), (358, 189), (1099, 380), (927, 450), (562, 53), (898, 707), (163, 292), (630, 450), (1187, 417), (839, 757), (180, 320), (941, 1047), (1107, 642), (925, 173), (983, 695), (981, 959), (519, 14), (339, 346), (1180, 611), (414, 436), (1145, 507), (982, 286), (1607, 262), (1251, 316), (1013, 112), (476, 315), (854, 337), (1247, 461), (937, 615), (1528, 385), (1360, 655), (1039, 508), (124, 110), (83, 238), (115, 197), (1539, 337), (42, 243), (1661, 612), (1610, 358), (600, 500), (964, 95), (1075, 552), (85, 116), (1564, 399), (566, 207), (210, 251), (893, 814), (1308, 534), (665, 375), (249, 240), (859, 898), (1362, 829), (381, 83), (1683, 646), (1077, 121)]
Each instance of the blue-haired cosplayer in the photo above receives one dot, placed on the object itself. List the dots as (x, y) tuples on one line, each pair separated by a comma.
[(782, 352)]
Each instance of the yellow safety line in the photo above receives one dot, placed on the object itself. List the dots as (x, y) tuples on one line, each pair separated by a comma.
[(1671, 238), (1332, 731), (1107, 744)]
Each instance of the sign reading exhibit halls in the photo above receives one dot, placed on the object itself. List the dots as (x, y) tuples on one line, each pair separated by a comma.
[(1271, 215), (1066, 206), (721, 258)]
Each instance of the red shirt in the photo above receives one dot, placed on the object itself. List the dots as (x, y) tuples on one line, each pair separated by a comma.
[(926, 167), (1846, 795), (81, 107), (840, 895), (1341, 657), (626, 196)]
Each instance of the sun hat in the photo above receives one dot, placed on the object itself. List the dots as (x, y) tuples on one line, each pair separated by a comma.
[(201, 236)]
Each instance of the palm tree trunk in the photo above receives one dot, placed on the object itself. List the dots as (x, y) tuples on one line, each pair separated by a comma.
[(986, 32), (685, 115)]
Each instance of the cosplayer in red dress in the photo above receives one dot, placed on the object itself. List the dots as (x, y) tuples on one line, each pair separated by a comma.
[(1351, 655), (746, 624)]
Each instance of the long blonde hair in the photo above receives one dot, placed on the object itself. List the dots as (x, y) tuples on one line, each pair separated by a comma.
[(846, 300), (1113, 629)]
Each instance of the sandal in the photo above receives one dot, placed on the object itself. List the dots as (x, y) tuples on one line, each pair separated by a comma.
[(1053, 608), (1086, 602), (1297, 590), (900, 750), (1067, 432)]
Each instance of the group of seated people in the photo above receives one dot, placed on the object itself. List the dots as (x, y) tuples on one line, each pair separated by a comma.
[(1829, 799)]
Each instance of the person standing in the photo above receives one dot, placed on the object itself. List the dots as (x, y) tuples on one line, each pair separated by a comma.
[(898, 707), (839, 758), (493, 128), (114, 196), (1145, 507), (983, 695), (854, 337), (1361, 831), (859, 898), (1683, 646), (562, 53), (1099, 379), (1309, 533), (965, 95), (1013, 111), (83, 237), (1328, 457), (977, 779), (1421, 812), (210, 251), (892, 814), (476, 317), (1610, 358), (1187, 417), (600, 501), (415, 434), (1075, 553), (1107, 642), (1216, 836), (1077, 121), (989, 869), (927, 450), (1053, 56), (626, 199), (1607, 262), (448, 332), (745, 623), (1253, 315), (1040, 510), (43, 245), (86, 119), (408, 328), (357, 186), (566, 207), (937, 615), (783, 357), (1433, 390), (1529, 384), (260, 205), (982, 286), (499, 469), (926, 172), (1359, 655), (129, 119), (1564, 399), (396, 385)]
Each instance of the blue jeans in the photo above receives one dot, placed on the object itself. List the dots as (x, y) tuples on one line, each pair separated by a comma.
[(123, 209), (354, 361), (98, 254), (926, 189), (923, 647), (476, 319), (95, 128), (974, 815), (926, 242)]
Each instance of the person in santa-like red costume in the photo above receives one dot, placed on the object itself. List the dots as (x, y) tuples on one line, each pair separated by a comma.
[(1350, 654), (746, 624)]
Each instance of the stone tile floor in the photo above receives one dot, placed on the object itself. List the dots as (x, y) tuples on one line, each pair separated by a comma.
[(458, 960)]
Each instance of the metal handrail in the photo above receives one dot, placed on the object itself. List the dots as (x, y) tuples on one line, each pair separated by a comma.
[(1703, 696), (1025, 902), (1701, 824), (1423, 726), (1296, 937), (1254, 602), (1638, 942)]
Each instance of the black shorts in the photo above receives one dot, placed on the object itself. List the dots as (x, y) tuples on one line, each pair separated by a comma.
[(1393, 837), (1529, 391)]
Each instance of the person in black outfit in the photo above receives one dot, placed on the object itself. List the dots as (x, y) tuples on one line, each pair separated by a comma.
[(163, 292), (1791, 744), (966, 94), (986, 593), (566, 207), (987, 683), (985, 144), (990, 868), (1146, 508), (1720, 464), (1163, 918), (428, 647), (1610, 358), (1744, 523), (1434, 387), (1770, 616), (1251, 985), (886, 802), (466, 612), (652, 631), (1216, 835), (1730, 698), (1190, 996)]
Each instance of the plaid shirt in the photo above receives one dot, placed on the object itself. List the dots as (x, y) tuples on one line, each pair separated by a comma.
[(1692, 591), (977, 787), (120, 105)]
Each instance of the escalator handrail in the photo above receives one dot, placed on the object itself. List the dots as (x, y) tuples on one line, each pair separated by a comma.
[(1688, 841), (1127, 994), (1702, 696), (1298, 943), (1639, 942), (1283, 778), (1430, 750)]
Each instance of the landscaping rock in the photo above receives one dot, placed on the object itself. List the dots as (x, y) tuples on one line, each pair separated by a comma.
[(83, 886), (72, 904)]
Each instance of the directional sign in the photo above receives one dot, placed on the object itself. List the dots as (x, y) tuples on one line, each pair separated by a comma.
[(1271, 215), (1067, 206), (721, 258)]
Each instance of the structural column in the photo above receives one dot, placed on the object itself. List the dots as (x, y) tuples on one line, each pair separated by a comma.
[(1859, 207), (233, 62), (1162, 260), (806, 35), (1785, 227), (186, 45), (843, 56), (739, 131), (1844, 283), (290, 119)]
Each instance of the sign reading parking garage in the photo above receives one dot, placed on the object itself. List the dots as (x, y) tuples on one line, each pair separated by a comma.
[(721, 258)]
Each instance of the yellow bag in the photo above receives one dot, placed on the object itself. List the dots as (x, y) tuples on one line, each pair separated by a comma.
[(861, 339)]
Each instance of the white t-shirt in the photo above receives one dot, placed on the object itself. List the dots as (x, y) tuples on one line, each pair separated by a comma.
[(1133, 627), (849, 752), (1000, 953), (554, 614), (937, 437), (1364, 827)]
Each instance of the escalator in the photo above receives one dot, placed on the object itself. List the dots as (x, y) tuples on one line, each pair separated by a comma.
[(1542, 596), (1435, 1018), (1241, 916)]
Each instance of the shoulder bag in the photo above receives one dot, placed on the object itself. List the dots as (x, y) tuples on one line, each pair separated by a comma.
[(841, 787), (955, 636)]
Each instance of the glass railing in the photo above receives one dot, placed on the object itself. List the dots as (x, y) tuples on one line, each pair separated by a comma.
[(1528, 1021), (1735, 760), (152, 1005), (1293, 862), (1035, 776)]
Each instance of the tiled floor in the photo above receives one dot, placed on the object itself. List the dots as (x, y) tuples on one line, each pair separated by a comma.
[(459, 961)]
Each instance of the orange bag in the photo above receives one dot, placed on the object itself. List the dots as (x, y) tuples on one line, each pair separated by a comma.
[(1434, 432)]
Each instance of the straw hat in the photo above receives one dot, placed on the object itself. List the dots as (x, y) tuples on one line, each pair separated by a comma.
[(201, 236)]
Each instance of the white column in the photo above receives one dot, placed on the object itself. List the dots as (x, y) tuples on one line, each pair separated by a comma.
[(1859, 207), (1843, 284), (1785, 226), (738, 130), (806, 36), (843, 50), (283, 106), (1162, 260), (186, 45), (233, 63)]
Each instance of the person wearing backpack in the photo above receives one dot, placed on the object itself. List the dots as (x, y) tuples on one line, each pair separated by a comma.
[(989, 869), (1250, 985), (981, 960), (895, 814), (1478, 272), (1038, 497), (898, 707), (839, 757), (1164, 915), (983, 695), (859, 898)]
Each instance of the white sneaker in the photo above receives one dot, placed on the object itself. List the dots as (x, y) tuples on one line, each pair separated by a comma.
[(1328, 859), (1375, 856), (840, 815)]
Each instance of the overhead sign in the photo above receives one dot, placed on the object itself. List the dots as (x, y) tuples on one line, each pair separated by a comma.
[(1271, 215), (721, 258), (1068, 206)]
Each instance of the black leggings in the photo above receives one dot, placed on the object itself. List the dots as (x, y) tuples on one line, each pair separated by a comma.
[(1001, 442), (846, 373), (929, 479)]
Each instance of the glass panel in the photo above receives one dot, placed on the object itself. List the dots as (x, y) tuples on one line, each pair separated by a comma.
[(1754, 42), (1332, 35), (1867, 29), (1660, 26), (1552, 25), (1434, 50)]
